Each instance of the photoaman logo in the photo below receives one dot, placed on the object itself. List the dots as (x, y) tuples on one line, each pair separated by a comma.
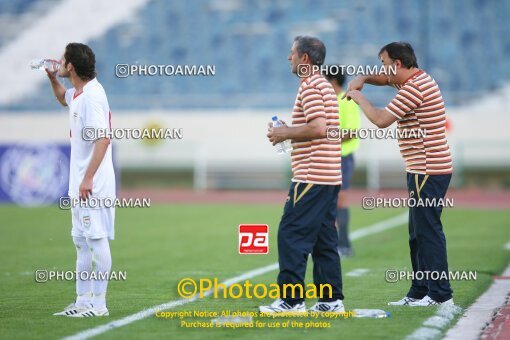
[(253, 239)]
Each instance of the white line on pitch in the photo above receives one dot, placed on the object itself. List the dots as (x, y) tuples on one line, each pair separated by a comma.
[(370, 230), (152, 310), (480, 312), (380, 226), (358, 272), (433, 326), (474, 318)]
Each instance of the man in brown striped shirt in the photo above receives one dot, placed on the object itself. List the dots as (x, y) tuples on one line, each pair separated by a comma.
[(417, 106), (308, 221)]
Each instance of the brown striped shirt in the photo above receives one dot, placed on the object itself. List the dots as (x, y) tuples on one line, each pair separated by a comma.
[(316, 161), (419, 105)]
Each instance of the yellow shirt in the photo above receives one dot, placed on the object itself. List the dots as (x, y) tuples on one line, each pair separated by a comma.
[(349, 119)]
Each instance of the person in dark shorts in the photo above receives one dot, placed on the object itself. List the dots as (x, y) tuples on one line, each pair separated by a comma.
[(417, 107), (350, 121), (308, 222)]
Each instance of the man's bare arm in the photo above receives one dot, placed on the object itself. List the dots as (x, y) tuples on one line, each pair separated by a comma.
[(358, 82), (100, 147), (58, 89), (314, 129), (380, 117)]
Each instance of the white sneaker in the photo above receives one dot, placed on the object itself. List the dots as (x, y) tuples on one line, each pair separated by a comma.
[(427, 301), (90, 312), (280, 306), (329, 307), (405, 301), (72, 309)]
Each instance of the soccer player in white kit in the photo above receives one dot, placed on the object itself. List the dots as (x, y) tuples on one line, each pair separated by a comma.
[(91, 175)]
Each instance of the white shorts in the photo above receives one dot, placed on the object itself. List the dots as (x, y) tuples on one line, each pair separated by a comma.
[(93, 223)]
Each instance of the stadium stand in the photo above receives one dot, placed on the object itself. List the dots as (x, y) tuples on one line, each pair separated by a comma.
[(17, 15), (252, 69)]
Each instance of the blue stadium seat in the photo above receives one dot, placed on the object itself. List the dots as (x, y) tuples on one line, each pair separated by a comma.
[(465, 44)]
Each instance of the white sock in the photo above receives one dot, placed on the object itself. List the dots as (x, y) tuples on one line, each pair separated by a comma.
[(101, 263), (83, 264)]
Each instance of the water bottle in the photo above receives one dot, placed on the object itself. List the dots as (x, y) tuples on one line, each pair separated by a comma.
[(44, 64), (285, 146), (371, 313)]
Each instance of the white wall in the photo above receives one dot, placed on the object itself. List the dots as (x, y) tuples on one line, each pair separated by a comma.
[(479, 138)]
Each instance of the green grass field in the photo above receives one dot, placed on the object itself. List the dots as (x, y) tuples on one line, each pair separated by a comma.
[(160, 245)]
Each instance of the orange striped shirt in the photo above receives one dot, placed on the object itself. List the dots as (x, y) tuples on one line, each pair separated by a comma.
[(316, 161), (419, 105)]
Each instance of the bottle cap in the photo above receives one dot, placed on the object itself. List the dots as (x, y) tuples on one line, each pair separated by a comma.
[(274, 119)]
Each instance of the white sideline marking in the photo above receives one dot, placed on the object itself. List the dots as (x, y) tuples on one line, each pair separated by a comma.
[(424, 333), (436, 321), (358, 272), (431, 328), (152, 310), (480, 312), (372, 229), (380, 226)]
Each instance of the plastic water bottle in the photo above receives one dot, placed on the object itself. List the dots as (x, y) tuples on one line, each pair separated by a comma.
[(44, 64), (371, 313), (285, 146)]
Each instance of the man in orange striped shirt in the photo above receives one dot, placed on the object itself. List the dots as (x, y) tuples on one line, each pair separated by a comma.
[(418, 106), (308, 221)]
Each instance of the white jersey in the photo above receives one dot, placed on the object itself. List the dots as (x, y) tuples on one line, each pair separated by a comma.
[(89, 109)]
